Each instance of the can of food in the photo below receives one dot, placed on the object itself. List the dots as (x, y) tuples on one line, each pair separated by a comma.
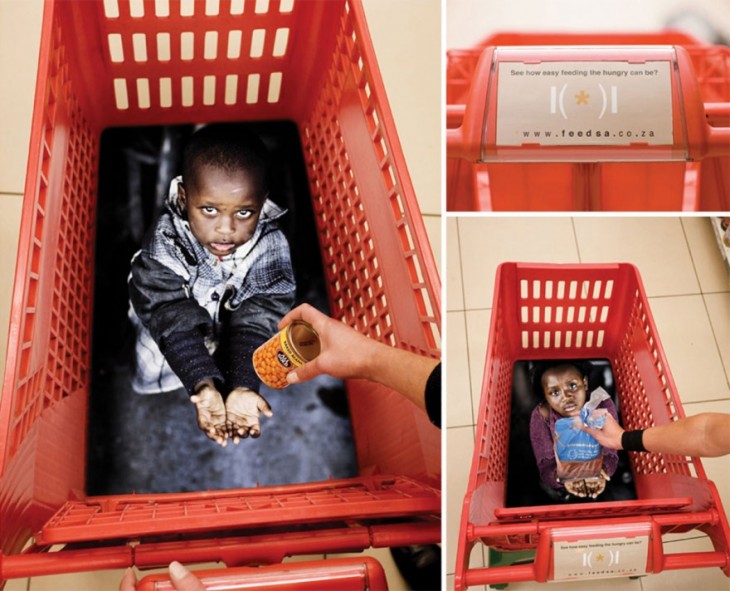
[(293, 346)]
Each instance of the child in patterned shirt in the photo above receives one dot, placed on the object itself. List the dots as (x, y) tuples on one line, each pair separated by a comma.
[(211, 281)]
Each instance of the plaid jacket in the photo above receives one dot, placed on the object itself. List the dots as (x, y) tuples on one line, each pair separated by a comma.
[(185, 302)]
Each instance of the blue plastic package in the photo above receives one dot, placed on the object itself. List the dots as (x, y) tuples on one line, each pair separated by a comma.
[(575, 448)]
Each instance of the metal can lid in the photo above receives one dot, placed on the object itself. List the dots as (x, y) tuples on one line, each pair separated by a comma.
[(303, 340)]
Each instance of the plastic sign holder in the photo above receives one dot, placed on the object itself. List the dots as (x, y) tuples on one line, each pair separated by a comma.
[(584, 104)]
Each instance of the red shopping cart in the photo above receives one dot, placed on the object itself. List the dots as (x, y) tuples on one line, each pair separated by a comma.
[(592, 122), (133, 63), (583, 311)]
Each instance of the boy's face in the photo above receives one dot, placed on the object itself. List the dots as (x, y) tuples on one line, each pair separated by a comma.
[(564, 389), (223, 208)]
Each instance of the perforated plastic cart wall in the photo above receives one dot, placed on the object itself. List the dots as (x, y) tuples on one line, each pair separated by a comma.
[(594, 122), (586, 311), (110, 63)]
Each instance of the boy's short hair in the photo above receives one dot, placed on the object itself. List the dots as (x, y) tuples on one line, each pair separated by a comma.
[(229, 146), (540, 367)]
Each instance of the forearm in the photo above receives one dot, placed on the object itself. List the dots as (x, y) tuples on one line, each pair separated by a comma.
[(543, 448), (190, 360), (399, 370), (240, 371), (705, 434)]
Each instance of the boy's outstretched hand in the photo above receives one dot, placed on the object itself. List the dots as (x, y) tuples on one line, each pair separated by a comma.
[(588, 487), (243, 407), (211, 412)]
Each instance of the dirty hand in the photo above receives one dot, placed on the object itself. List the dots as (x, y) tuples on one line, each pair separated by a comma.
[(588, 487), (243, 407), (211, 412)]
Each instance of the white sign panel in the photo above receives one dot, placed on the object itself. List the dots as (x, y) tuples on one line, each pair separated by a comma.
[(581, 103), (599, 559)]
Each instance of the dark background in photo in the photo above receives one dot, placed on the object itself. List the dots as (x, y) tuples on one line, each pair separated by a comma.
[(151, 443)]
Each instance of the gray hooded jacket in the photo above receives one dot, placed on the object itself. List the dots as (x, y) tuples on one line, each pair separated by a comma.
[(199, 316)]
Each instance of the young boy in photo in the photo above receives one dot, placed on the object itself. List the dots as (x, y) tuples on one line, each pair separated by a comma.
[(211, 282)]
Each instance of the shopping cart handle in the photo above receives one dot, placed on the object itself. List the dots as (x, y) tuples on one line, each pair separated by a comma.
[(454, 116), (718, 120), (358, 573), (718, 114)]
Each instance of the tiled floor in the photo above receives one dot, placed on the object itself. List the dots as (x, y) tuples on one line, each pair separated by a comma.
[(688, 287)]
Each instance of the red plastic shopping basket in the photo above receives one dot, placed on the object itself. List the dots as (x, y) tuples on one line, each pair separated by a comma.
[(132, 62), (592, 122), (583, 311)]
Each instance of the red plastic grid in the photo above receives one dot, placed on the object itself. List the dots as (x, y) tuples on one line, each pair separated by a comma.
[(102, 518), (712, 69), (353, 260), (492, 458), (589, 511), (173, 61), (53, 353), (153, 61)]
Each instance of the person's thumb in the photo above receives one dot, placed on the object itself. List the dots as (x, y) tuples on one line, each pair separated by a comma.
[(129, 581), (303, 373), (183, 579)]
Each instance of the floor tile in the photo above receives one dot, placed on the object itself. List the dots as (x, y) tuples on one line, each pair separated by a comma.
[(454, 288), (709, 265), (459, 450), (459, 407), (689, 343), (718, 309), (17, 585), (487, 242), (107, 580), (304, 558), (450, 585), (10, 210), (702, 579), (20, 32), (477, 329), (657, 246)]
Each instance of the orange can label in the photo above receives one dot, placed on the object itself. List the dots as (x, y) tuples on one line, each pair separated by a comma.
[(284, 352)]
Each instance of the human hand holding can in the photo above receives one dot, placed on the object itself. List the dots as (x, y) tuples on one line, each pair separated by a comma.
[(293, 346)]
